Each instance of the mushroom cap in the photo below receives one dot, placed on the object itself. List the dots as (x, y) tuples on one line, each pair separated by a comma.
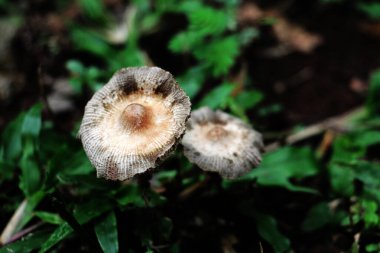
[(219, 142), (133, 122)]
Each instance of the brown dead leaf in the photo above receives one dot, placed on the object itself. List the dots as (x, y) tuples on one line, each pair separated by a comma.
[(295, 36), (249, 13), (357, 85), (291, 35), (371, 28)]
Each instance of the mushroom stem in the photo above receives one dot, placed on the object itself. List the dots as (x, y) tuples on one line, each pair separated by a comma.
[(134, 117)]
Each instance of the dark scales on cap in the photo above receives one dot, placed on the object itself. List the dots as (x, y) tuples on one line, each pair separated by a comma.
[(129, 85)]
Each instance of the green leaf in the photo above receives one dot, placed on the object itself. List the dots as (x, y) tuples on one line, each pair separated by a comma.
[(267, 228), (27, 244), (106, 231), (247, 35), (208, 21), (366, 138), (12, 139), (184, 41), (342, 179), (318, 216), (91, 42), (93, 9), (375, 247), (219, 55), (248, 99), (373, 103), (370, 216), (83, 213), (191, 82), (30, 177), (31, 204), (371, 9), (58, 235), (218, 96), (282, 165), (31, 125), (129, 195), (75, 67), (48, 217), (30, 171)]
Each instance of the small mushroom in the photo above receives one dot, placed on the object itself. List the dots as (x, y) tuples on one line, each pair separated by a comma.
[(133, 122), (219, 142)]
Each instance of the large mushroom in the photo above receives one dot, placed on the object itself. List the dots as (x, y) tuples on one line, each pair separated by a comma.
[(219, 142), (133, 122)]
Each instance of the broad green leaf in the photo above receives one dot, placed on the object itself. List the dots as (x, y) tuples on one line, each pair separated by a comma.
[(31, 125), (30, 177), (75, 66), (366, 138), (318, 216), (58, 235), (93, 9), (28, 243), (184, 42), (48, 217), (83, 213), (342, 179), (371, 9), (12, 139), (370, 216), (91, 42), (218, 96), (248, 99), (283, 164), (374, 247), (268, 230), (192, 81), (106, 231)]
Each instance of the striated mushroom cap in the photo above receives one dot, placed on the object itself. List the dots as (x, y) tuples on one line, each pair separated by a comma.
[(133, 122), (219, 142)]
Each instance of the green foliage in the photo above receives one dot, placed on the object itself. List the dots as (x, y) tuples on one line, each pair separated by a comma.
[(45, 162), (373, 104), (82, 76), (205, 37), (267, 228), (106, 231), (93, 9), (218, 96), (371, 9), (280, 166), (318, 216), (48, 217), (208, 21), (219, 56), (29, 243)]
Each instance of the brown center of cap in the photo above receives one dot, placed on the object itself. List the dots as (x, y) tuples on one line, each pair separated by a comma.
[(216, 133), (134, 117)]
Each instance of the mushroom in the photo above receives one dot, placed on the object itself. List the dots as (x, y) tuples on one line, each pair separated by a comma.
[(133, 122), (219, 142)]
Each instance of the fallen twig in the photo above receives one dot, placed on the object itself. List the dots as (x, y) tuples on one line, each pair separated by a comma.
[(339, 123)]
